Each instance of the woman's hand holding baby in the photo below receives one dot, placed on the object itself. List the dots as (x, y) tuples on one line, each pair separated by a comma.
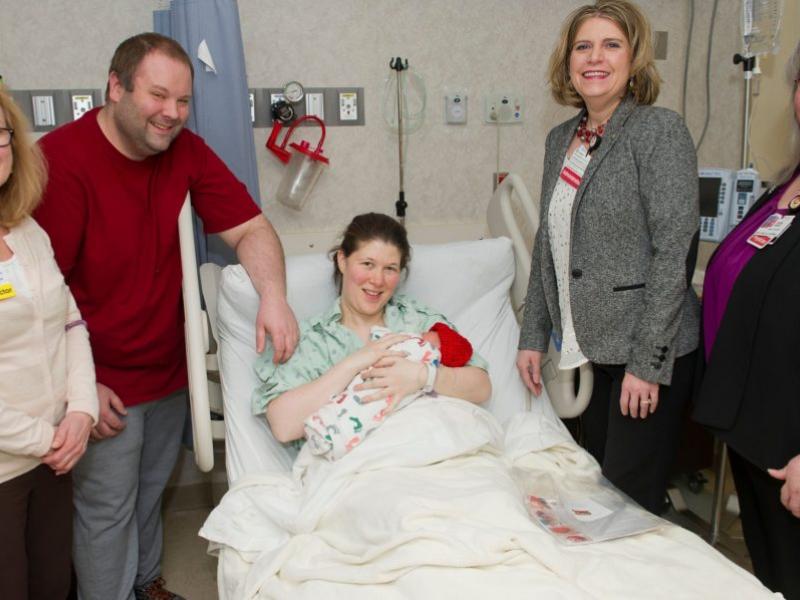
[(374, 351), (392, 377)]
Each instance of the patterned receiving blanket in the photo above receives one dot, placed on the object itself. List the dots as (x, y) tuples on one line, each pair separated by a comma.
[(344, 422)]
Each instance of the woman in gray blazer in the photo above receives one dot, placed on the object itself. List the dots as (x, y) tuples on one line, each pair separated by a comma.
[(614, 253)]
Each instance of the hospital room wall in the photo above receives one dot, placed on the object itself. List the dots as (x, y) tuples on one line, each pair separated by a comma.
[(472, 45), (772, 108)]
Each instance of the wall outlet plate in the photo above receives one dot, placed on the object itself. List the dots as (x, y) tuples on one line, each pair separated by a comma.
[(348, 106), (503, 107), (315, 104), (44, 114), (81, 104)]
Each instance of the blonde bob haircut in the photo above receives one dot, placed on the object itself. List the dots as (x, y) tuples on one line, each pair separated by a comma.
[(22, 192), (645, 81)]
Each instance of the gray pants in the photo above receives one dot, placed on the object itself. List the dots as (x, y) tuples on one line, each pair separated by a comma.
[(117, 493)]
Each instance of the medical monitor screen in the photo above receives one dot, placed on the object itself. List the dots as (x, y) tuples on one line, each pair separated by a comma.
[(709, 196)]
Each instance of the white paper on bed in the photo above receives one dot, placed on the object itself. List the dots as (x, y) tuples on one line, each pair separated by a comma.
[(468, 282), (427, 508)]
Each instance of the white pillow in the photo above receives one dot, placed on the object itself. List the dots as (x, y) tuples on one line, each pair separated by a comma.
[(468, 282)]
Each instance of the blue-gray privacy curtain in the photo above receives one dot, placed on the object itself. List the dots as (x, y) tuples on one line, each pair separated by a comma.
[(210, 32)]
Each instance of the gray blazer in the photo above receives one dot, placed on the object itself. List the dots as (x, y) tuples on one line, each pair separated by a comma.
[(634, 225)]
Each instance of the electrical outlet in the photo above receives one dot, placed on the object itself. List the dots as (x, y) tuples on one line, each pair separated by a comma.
[(315, 104), (503, 108), (348, 106), (81, 104), (44, 115)]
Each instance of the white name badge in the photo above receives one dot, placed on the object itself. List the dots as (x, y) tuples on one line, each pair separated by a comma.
[(573, 171), (770, 230)]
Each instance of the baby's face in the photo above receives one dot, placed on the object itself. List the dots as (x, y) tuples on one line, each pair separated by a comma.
[(432, 338)]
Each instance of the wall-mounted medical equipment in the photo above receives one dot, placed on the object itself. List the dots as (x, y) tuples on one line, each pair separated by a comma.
[(404, 100), (293, 92), (745, 191), (725, 198), (455, 108), (502, 107), (305, 164), (716, 186), (282, 104)]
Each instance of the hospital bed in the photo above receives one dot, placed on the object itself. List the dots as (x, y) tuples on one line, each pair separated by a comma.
[(421, 509)]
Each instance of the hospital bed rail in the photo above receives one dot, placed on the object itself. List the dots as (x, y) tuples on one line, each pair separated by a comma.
[(197, 343), (503, 220)]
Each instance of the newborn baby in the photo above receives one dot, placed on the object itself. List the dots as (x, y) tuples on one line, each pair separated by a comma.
[(344, 422)]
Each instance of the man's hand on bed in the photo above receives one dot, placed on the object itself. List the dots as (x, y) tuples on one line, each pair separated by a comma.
[(529, 365), (276, 319), (392, 376), (790, 491), (637, 398)]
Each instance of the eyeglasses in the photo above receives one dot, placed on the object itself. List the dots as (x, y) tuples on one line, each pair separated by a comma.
[(6, 133)]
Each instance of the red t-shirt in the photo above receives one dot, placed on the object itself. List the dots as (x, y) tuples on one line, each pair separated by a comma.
[(113, 223)]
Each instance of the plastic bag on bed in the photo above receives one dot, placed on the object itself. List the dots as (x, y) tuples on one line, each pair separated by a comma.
[(582, 510)]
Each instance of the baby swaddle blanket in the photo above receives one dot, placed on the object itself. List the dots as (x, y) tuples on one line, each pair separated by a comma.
[(345, 420)]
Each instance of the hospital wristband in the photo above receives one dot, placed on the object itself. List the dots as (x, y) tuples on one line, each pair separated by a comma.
[(431, 380)]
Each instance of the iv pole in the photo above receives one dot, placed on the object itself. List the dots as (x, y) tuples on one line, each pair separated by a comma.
[(398, 65), (748, 63)]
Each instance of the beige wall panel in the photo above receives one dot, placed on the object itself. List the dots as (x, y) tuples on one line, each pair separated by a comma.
[(471, 45), (771, 125)]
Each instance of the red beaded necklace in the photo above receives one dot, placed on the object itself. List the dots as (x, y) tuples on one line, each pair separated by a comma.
[(587, 135)]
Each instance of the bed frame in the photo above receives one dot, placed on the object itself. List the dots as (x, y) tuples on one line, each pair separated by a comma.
[(511, 212)]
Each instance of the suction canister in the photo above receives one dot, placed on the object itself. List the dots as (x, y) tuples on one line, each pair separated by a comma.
[(304, 164)]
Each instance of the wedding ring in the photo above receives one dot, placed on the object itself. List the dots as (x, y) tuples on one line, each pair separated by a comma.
[(645, 401)]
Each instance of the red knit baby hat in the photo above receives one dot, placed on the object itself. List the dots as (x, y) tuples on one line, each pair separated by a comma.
[(455, 348)]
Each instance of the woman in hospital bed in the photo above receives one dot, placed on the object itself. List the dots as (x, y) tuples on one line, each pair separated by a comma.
[(430, 504), (335, 347)]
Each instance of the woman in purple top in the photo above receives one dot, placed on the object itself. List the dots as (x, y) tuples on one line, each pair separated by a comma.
[(750, 394)]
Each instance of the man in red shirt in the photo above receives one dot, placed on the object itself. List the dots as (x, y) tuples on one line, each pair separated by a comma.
[(118, 179)]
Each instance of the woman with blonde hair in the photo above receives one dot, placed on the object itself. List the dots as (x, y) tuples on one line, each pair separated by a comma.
[(617, 243), (749, 395), (48, 401)]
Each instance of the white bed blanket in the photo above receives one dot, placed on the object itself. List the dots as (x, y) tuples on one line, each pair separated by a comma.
[(427, 508)]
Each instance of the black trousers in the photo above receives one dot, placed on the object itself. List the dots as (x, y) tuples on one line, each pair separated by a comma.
[(35, 536), (771, 532), (637, 454)]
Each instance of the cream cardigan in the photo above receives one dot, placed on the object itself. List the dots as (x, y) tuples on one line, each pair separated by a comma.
[(46, 370)]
